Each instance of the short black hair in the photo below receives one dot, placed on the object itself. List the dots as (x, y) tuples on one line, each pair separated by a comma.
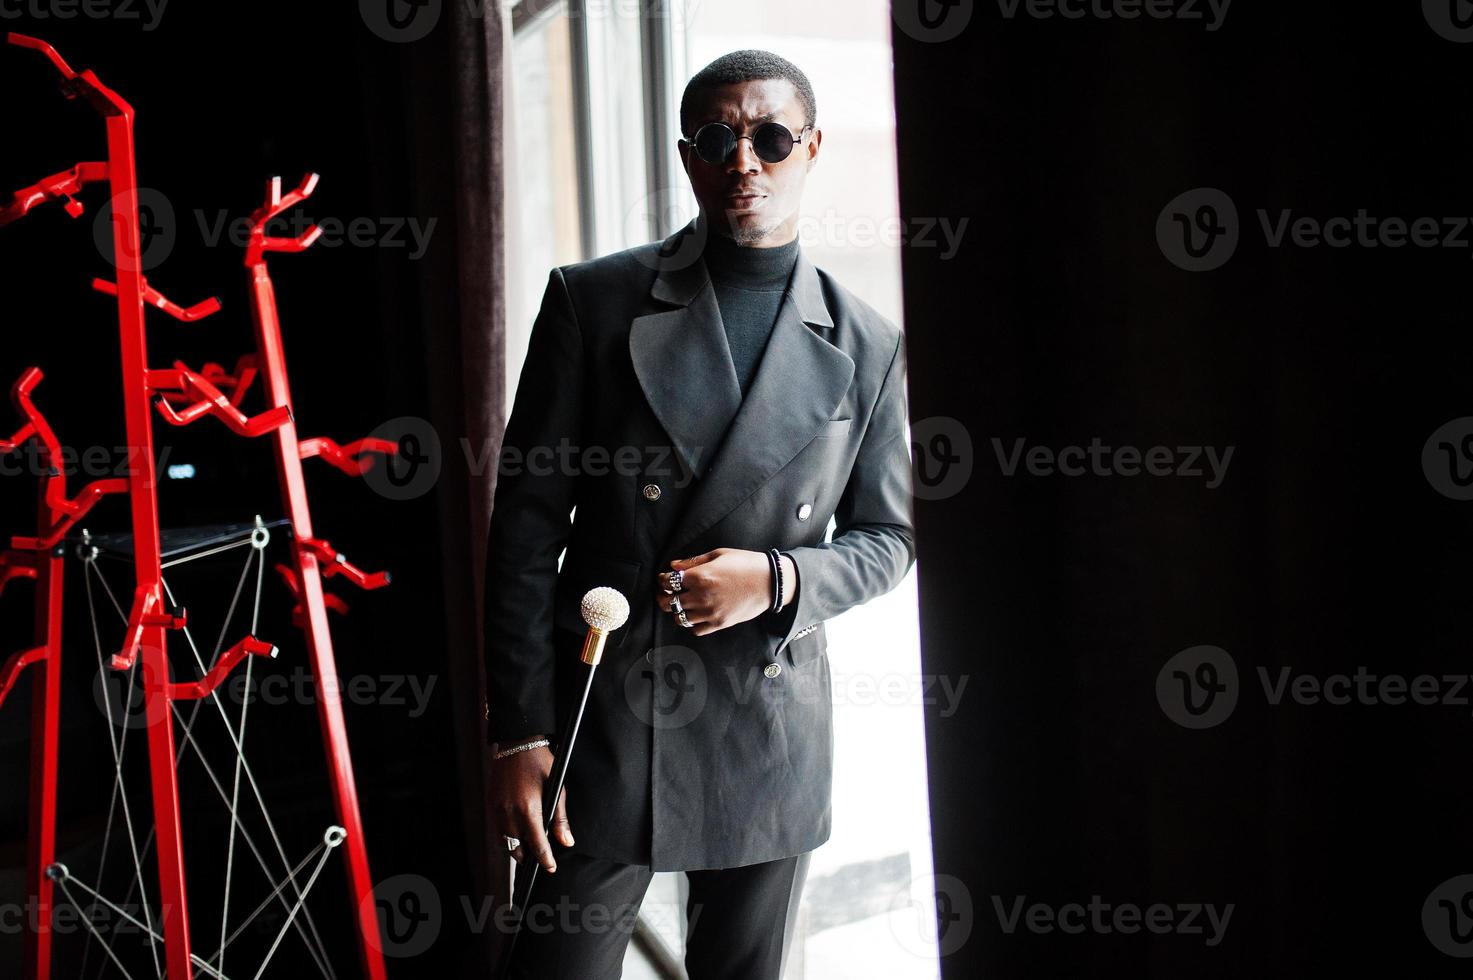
[(751, 65)]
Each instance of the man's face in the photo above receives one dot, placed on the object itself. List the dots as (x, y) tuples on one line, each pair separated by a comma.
[(746, 198)]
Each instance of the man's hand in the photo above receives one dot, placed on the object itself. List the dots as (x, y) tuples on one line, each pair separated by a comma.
[(725, 587), (515, 804)]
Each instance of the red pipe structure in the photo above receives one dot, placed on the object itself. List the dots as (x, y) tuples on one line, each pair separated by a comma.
[(181, 396), (40, 558), (314, 559), (146, 625)]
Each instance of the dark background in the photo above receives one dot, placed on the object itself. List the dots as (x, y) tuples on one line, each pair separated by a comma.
[(227, 95), (1061, 320), (1325, 549)]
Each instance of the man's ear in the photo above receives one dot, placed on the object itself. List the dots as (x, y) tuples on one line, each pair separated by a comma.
[(813, 146), (683, 148)]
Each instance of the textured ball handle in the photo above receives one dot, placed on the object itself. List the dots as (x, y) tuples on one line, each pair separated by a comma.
[(605, 609)]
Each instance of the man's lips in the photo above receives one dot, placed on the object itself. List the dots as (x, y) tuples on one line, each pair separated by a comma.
[(744, 200)]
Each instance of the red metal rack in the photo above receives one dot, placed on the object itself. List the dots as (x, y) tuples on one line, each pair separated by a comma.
[(180, 396)]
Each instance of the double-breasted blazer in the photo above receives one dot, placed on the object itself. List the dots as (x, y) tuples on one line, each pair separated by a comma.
[(630, 445)]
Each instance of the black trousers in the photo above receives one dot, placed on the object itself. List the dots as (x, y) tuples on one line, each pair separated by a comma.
[(740, 921)]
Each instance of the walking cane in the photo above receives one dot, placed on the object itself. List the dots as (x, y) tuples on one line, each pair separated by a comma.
[(604, 610)]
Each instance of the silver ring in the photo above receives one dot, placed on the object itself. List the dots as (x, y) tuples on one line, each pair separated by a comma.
[(683, 621), (675, 606), (677, 580), (512, 843)]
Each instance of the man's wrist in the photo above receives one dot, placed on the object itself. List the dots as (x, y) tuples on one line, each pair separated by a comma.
[(501, 751), (790, 578)]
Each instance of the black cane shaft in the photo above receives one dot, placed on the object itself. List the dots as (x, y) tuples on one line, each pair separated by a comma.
[(556, 779), (559, 773)]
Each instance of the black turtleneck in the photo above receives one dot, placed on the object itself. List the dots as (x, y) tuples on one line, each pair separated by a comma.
[(749, 284)]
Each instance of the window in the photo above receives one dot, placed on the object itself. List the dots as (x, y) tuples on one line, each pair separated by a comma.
[(544, 219), (867, 910)]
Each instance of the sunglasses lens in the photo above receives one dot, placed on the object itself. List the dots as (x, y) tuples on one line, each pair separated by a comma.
[(714, 142), (772, 142)]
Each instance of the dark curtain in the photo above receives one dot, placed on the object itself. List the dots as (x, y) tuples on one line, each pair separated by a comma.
[(1326, 550), (465, 300)]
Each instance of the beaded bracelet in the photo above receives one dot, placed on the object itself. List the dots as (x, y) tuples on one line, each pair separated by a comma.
[(772, 578), (539, 743), (777, 579)]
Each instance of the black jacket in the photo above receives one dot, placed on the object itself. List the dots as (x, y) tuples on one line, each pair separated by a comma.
[(630, 445)]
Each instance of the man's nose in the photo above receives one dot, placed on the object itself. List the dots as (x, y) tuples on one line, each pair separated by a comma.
[(744, 159)]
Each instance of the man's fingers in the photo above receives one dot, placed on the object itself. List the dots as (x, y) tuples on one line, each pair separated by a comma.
[(560, 823), (690, 603), (544, 854), (688, 583), (508, 825), (683, 563), (695, 615), (535, 840)]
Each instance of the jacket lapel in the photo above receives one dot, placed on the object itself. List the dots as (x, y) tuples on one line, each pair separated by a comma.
[(681, 358)]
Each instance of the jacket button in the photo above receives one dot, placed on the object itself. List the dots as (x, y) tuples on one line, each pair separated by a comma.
[(651, 491), (649, 655), (805, 511), (772, 669)]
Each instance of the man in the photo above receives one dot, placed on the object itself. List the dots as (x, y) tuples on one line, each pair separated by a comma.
[(703, 407)]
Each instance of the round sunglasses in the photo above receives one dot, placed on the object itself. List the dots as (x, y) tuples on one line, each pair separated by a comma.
[(772, 142)]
